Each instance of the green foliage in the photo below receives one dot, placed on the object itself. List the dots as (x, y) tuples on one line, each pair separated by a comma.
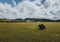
[(28, 32), (4, 20)]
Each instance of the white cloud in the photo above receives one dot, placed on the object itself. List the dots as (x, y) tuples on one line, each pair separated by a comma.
[(27, 9)]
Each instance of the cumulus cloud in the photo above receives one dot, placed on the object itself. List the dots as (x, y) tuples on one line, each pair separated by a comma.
[(27, 9)]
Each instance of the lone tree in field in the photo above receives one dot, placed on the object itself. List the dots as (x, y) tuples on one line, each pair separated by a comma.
[(41, 27)]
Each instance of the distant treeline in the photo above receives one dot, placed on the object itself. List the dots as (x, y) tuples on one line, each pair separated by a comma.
[(28, 20)]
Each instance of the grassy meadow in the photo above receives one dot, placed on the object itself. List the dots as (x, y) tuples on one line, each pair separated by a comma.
[(28, 32)]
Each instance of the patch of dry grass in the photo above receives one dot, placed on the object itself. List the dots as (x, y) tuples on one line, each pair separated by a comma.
[(28, 32)]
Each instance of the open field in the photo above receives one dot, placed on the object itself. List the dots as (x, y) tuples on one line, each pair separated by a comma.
[(28, 32)]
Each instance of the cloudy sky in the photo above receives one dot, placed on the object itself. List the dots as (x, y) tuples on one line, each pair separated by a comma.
[(11, 9)]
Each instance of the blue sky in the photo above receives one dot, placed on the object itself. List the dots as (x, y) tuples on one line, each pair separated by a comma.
[(10, 1), (17, 1), (6, 1), (43, 1)]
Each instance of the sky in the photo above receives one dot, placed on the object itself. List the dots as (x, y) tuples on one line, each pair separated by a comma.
[(12, 9), (18, 1), (10, 1)]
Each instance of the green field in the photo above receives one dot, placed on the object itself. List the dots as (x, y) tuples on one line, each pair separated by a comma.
[(28, 32)]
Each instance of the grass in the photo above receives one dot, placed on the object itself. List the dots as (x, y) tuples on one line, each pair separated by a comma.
[(28, 32)]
